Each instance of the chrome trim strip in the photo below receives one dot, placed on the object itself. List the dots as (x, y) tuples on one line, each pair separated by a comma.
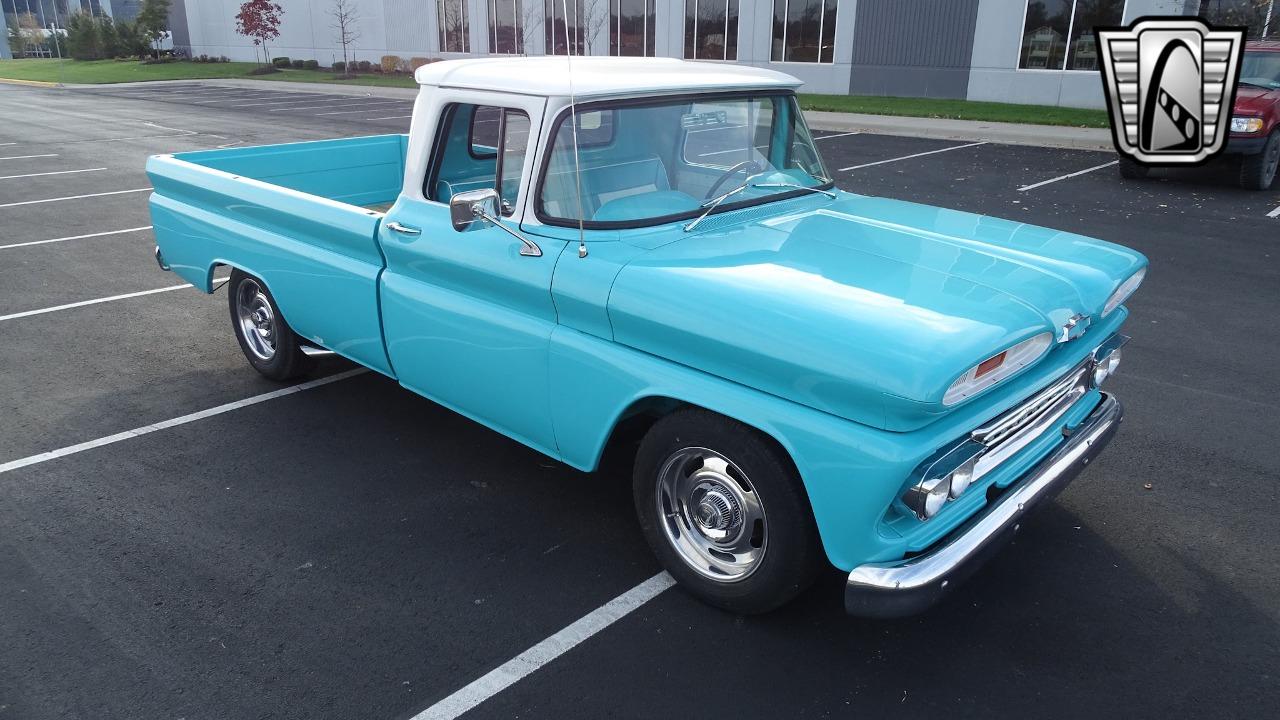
[(905, 587)]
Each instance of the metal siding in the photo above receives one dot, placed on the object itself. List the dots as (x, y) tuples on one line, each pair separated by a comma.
[(409, 26), (913, 47), (914, 33)]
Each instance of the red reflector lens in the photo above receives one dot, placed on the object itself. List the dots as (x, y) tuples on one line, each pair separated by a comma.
[(988, 365)]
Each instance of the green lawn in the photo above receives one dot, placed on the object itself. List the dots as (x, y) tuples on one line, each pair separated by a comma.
[(113, 71), (117, 71), (957, 110)]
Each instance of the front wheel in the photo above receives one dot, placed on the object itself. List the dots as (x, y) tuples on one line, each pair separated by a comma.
[(1257, 172), (268, 343), (725, 512)]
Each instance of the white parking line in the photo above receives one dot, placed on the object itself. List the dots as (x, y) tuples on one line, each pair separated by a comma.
[(297, 99), (243, 96), (1274, 213), (58, 172), (75, 237), (96, 301), (174, 422), (73, 197), (520, 666), (7, 144), (828, 137), (908, 157), (348, 112), (396, 117), (326, 107), (25, 157), (1042, 183)]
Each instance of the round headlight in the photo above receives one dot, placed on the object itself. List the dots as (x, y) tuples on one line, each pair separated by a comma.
[(1113, 362), (936, 492), (961, 477), (1100, 373)]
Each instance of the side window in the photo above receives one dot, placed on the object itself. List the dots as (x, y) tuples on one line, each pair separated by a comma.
[(480, 147)]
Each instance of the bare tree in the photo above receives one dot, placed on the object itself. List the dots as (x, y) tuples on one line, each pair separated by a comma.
[(595, 17), (346, 21), (530, 23)]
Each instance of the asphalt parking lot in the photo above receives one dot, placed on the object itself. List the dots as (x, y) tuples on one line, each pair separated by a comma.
[(351, 550)]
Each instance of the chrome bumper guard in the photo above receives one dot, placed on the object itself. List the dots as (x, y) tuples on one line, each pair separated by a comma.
[(906, 587), (160, 260)]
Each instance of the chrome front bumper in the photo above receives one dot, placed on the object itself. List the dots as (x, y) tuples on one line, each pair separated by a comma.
[(906, 587)]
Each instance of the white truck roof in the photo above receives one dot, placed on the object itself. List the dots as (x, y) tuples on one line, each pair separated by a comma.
[(598, 76)]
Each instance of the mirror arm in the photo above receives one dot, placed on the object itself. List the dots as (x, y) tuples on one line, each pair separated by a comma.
[(528, 248)]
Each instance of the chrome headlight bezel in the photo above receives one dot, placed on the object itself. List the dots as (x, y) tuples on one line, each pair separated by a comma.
[(1123, 291)]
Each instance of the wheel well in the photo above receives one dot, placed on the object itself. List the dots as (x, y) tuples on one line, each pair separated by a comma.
[(213, 271), (620, 449)]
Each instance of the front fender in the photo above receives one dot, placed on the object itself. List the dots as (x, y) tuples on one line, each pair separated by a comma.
[(850, 471)]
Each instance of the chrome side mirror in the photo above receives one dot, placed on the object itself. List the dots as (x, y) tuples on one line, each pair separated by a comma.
[(466, 208), (473, 208)]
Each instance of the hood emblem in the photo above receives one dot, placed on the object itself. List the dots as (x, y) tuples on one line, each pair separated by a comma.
[(1074, 327)]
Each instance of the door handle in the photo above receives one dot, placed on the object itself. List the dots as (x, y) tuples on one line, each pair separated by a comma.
[(403, 229)]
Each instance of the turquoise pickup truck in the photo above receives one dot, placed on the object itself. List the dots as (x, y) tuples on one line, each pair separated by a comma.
[(650, 255)]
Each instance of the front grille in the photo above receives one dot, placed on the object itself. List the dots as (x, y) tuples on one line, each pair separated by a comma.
[(1014, 430)]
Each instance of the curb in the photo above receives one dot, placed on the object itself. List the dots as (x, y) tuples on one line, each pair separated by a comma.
[(28, 83)]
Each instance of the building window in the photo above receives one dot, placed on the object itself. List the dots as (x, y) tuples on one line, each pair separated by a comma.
[(454, 36), (566, 35), (631, 28), (506, 28), (804, 31), (1058, 34), (711, 29)]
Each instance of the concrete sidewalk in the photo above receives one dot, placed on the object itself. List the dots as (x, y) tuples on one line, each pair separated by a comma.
[(1056, 136)]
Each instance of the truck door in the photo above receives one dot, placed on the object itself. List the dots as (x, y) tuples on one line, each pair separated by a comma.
[(467, 318)]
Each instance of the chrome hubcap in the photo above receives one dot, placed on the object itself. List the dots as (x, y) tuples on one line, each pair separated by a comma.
[(710, 514), (257, 322)]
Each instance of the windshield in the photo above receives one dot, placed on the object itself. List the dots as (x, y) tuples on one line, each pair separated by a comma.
[(1261, 68), (642, 164)]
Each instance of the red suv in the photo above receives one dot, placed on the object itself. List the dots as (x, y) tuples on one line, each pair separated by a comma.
[(1255, 121)]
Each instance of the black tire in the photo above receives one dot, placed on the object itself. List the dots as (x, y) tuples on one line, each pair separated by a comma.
[(286, 360), (1131, 170), (790, 551), (1258, 172)]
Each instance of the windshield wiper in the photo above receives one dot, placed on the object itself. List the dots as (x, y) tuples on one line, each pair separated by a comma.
[(828, 193), (1257, 85), (714, 202)]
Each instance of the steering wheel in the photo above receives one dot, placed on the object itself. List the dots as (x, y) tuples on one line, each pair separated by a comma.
[(749, 166)]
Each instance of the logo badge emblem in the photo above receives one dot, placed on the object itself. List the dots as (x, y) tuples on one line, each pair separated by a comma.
[(1170, 85), (1074, 327)]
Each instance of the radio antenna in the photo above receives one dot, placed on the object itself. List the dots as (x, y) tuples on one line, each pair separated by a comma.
[(573, 118)]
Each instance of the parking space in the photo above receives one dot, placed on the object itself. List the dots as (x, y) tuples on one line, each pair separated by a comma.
[(390, 110), (353, 550)]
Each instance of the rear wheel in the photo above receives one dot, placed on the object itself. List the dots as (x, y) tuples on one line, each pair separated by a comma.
[(725, 512), (267, 341), (1131, 170), (1257, 172)]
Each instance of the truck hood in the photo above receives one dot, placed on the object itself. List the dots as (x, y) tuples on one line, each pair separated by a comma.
[(866, 308), (1255, 100)]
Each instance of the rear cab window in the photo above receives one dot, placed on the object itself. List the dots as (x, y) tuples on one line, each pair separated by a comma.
[(479, 147)]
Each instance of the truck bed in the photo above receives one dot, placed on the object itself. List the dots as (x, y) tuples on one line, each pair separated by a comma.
[(303, 217)]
